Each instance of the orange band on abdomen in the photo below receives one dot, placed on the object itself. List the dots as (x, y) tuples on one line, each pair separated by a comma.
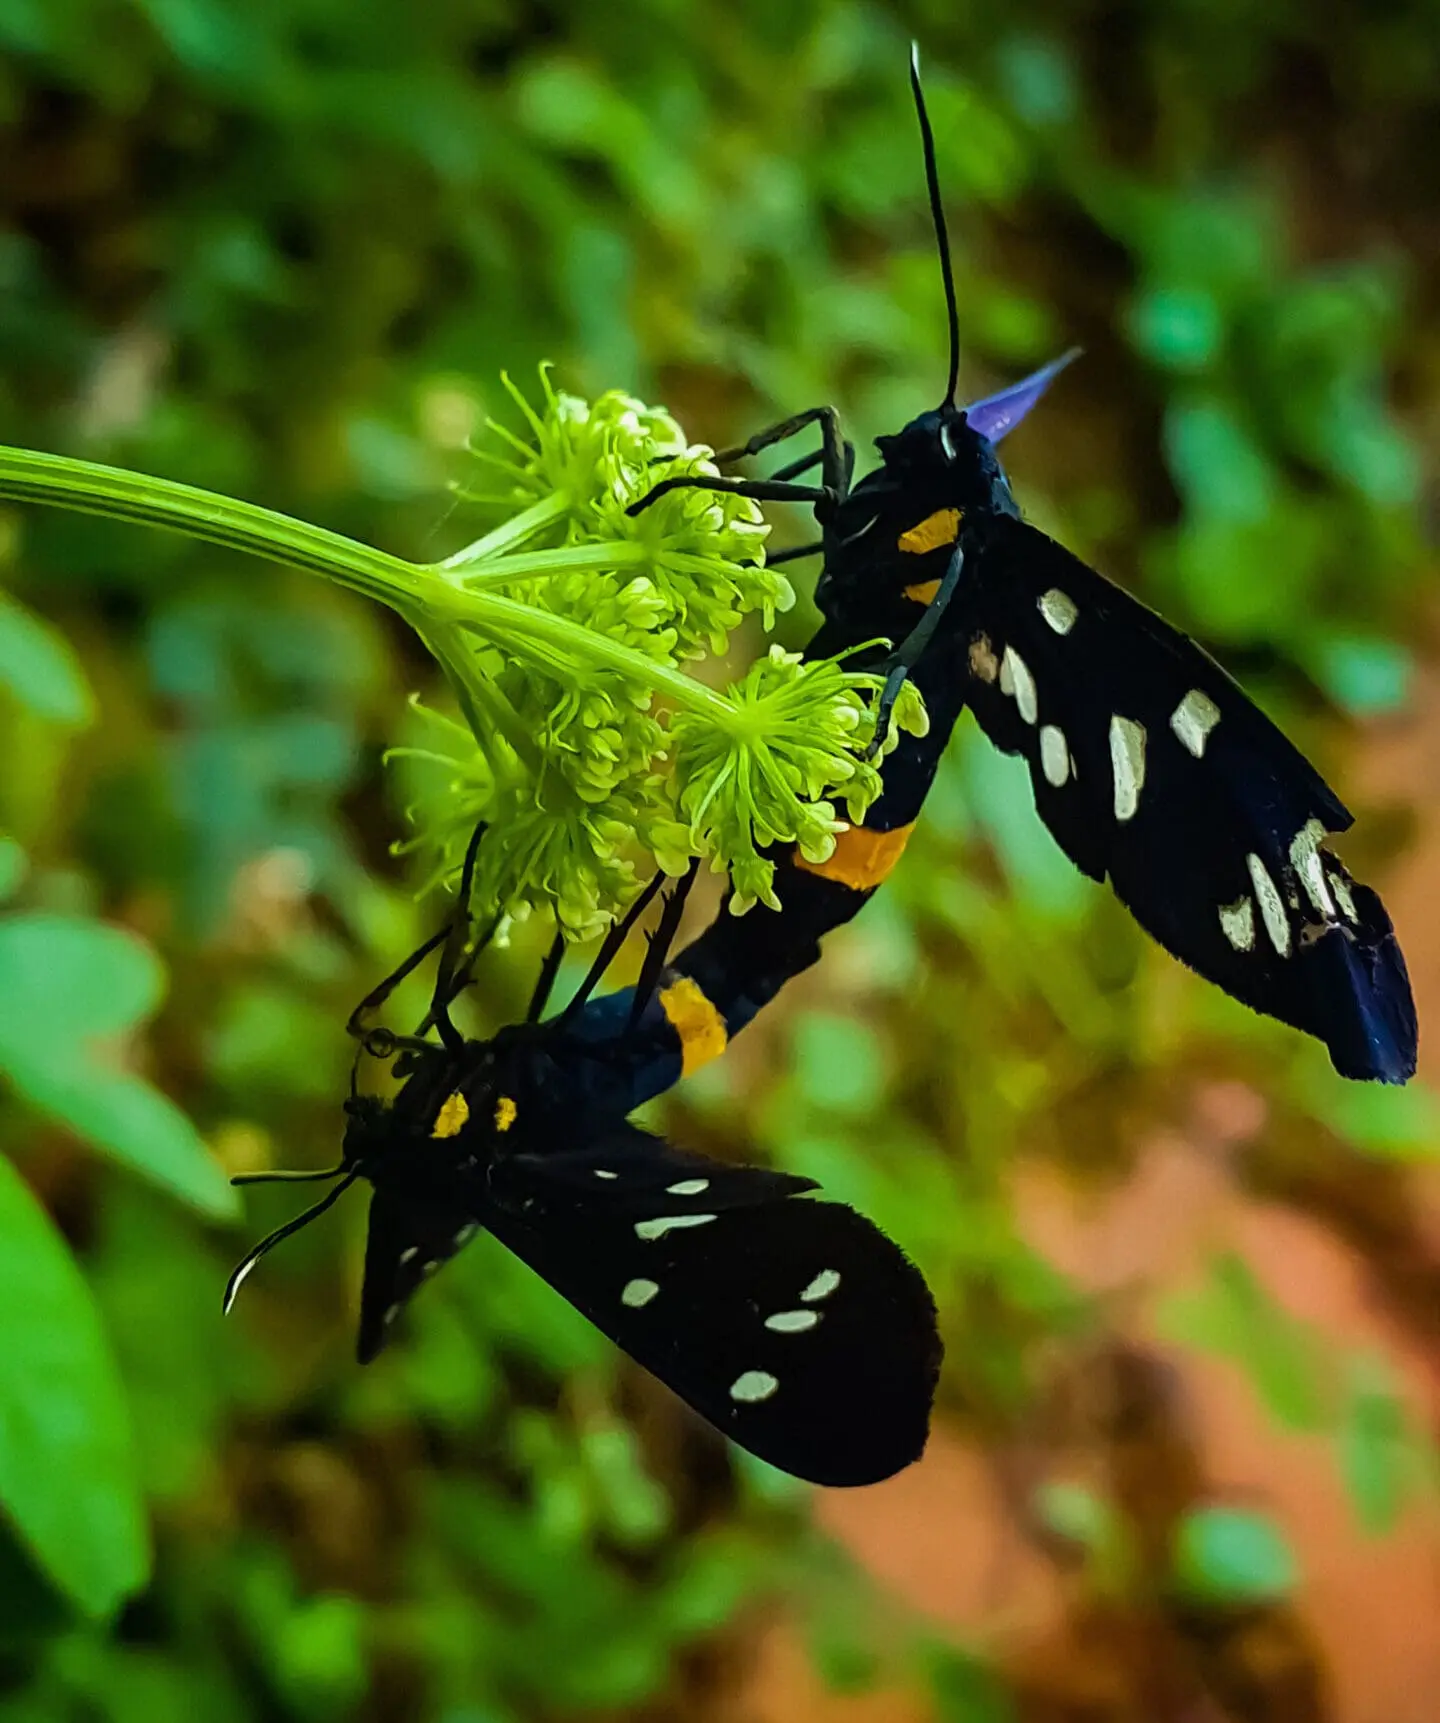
[(861, 858), (701, 1028)]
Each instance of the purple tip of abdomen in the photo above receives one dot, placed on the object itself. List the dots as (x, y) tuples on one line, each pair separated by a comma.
[(997, 414)]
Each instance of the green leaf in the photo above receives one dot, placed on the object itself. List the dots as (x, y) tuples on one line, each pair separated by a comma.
[(1286, 1360), (67, 983), (1377, 1448), (837, 1063), (68, 1477), (39, 667), (1226, 1556), (1368, 676)]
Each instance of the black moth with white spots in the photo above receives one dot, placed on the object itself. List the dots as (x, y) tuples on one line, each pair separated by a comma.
[(1149, 764), (793, 1324)]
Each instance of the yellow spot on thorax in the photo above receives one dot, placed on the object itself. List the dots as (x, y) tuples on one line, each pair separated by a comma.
[(452, 1117), (505, 1112), (695, 1020), (924, 592), (941, 528), (861, 858)]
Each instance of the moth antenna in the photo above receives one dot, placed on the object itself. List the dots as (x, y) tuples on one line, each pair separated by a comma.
[(281, 1233), (937, 215)]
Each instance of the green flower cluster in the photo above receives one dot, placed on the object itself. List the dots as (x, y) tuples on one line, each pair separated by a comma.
[(593, 757)]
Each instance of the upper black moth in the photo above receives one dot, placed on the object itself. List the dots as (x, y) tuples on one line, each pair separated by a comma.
[(794, 1325), (1149, 764)]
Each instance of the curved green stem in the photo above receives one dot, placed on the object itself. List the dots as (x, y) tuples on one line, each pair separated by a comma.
[(421, 593), (89, 488)]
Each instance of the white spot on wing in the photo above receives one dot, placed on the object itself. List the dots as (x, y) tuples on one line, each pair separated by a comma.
[(409, 1255), (1054, 755), (664, 1223), (945, 442), (1015, 678), (792, 1321), (465, 1234), (822, 1286), (1237, 920), (753, 1385), (603, 1173), (1058, 609), (1305, 859), (1193, 720), (688, 1188), (638, 1293), (1127, 764), (1341, 887), (1272, 905)]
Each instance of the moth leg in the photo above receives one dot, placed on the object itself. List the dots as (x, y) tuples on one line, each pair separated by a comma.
[(453, 958), (660, 941), (794, 553), (614, 939), (376, 997), (540, 998), (758, 490), (836, 457), (907, 655)]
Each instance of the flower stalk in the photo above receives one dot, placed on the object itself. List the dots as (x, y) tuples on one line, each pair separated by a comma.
[(562, 631)]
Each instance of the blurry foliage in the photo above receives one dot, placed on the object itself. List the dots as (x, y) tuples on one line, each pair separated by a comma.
[(284, 249)]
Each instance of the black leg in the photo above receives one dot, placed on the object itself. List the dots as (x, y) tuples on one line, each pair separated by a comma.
[(658, 952), (794, 553), (832, 444), (907, 655), (540, 998), (798, 469), (452, 958), (464, 976), (614, 939), (758, 490), (355, 1025)]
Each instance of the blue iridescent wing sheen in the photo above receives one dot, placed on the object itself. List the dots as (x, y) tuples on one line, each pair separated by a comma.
[(1151, 767)]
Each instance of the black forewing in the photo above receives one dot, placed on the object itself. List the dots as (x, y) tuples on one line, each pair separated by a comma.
[(1183, 853), (794, 1325), (409, 1237)]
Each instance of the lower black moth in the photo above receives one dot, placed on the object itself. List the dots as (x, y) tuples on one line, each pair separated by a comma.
[(794, 1325), (1148, 764)]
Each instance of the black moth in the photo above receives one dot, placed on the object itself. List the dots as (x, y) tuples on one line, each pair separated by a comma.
[(794, 1325), (1149, 764)]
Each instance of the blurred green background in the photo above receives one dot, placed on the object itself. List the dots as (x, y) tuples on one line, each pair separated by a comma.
[(1190, 1281)]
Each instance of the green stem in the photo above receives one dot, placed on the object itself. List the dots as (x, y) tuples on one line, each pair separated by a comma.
[(89, 488), (513, 531), (570, 559), (506, 620), (420, 593)]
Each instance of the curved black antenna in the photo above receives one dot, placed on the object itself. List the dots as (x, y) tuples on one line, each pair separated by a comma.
[(937, 215), (268, 1243)]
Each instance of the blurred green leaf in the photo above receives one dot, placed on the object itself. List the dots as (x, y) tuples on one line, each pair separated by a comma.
[(1224, 1556), (69, 985), (1232, 1314), (39, 667), (67, 1466)]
